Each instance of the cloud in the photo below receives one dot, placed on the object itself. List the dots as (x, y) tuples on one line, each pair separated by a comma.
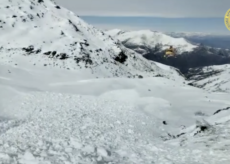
[(204, 25), (154, 8), (105, 26)]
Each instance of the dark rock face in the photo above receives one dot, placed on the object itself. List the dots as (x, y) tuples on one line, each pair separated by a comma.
[(30, 50), (219, 110), (200, 57), (85, 58), (58, 7), (121, 57), (74, 26)]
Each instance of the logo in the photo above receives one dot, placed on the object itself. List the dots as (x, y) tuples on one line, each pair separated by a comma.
[(227, 19)]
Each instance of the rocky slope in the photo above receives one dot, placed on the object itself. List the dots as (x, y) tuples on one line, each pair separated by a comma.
[(212, 78)]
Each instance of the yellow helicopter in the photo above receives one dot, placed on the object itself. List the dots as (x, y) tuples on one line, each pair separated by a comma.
[(170, 52)]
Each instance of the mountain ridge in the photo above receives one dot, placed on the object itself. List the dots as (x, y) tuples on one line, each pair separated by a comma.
[(198, 56), (151, 39), (213, 40)]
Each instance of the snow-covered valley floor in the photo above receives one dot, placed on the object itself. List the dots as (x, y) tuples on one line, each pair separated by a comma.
[(62, 117)]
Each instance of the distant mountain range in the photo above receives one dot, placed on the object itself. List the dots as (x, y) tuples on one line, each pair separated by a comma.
[(217, 41), (190, 54)]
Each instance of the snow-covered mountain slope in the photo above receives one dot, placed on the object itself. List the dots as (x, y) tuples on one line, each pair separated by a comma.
[(209, 134), (53, 109), (45, 34), (61, 117), (212, 78), (150, 39)]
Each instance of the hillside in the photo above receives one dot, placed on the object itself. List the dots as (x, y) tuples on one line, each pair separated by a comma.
[(212, 78)]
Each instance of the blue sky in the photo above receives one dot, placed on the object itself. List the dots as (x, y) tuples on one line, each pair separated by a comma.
[(204, 25), (162, 15)]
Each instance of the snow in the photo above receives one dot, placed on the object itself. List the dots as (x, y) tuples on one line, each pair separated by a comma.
[(150, 39), (116, 119), (212, 78), (51, 114)]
